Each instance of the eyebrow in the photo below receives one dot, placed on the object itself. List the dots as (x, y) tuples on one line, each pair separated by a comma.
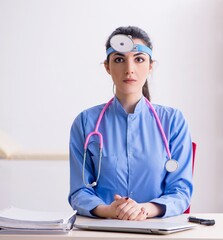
[(123, 55), (139, 53), (118, 54)]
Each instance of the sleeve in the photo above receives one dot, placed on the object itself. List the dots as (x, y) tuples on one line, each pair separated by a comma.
[(178, 185), (81, 198)]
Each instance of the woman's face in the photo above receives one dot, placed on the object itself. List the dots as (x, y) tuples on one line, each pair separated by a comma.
[(129, 71)]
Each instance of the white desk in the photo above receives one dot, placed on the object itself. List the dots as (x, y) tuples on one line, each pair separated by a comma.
[(200, 232)]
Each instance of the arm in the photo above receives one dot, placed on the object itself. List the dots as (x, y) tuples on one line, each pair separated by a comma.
[(81, 198), (178, 185)]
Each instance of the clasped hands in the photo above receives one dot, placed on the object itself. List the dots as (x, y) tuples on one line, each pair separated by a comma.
[(125, 208)]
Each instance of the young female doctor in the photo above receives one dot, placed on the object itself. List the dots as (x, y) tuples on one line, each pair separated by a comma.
[(130, 159)]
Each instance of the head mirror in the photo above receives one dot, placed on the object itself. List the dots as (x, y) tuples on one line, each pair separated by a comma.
[(122, 43)]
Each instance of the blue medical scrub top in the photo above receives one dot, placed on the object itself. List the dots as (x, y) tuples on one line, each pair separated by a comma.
[(134, 157)]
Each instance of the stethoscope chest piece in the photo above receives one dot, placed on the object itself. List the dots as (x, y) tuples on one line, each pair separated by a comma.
[(171, 165)]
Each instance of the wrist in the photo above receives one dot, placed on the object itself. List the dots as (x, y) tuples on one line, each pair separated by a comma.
[(153, 209), (102, 211)]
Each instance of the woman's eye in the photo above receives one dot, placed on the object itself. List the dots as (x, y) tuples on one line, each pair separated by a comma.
[(139, 59), (118, 60)]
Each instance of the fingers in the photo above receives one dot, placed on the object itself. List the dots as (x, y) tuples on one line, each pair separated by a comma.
[(130, 210), (117, 197), (141, 216), (118, 203), (121, 205), (127, 209), (131, 214), (136, 214), (120, 200)]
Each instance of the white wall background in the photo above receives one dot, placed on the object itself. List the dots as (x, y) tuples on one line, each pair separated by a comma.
[(50, 69)]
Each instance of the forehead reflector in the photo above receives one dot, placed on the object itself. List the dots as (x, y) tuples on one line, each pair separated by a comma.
[(122, 43)]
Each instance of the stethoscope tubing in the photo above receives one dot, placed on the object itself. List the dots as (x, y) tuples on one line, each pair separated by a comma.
[(160, 128), (96, 132)]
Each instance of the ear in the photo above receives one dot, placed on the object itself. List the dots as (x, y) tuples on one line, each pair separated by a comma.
[(106, 65), (151, 67)]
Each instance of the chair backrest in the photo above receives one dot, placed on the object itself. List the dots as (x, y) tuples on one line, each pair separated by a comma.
[(194, 146)]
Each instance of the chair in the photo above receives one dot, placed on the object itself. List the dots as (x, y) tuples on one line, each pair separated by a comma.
[(194, 146)]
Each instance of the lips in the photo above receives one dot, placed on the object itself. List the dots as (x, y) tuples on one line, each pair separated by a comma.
[(129, 80)]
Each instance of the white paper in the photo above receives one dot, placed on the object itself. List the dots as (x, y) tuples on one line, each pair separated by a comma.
[(16, 218)]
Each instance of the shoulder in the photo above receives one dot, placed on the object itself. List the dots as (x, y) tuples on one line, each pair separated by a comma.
[(92, 111), (166, 111), (170, 116), (88, 115), (172, 119)]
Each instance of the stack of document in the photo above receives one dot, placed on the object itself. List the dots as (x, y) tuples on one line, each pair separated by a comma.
[(16, 219)]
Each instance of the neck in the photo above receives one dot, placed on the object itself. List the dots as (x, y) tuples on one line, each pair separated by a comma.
[(129, 101)]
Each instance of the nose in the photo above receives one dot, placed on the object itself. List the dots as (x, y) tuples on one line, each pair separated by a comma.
[(129, 68)]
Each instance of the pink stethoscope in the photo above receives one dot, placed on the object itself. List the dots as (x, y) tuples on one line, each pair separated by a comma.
[(171, 165)]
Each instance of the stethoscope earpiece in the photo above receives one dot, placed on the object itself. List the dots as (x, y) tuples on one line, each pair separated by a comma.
[(93, 184), (88, 185)]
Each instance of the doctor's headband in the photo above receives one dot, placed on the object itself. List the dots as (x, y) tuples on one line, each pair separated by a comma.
[(123, 44)]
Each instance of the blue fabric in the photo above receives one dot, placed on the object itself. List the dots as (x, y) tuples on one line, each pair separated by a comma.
[(134, 157), (136, 48)]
